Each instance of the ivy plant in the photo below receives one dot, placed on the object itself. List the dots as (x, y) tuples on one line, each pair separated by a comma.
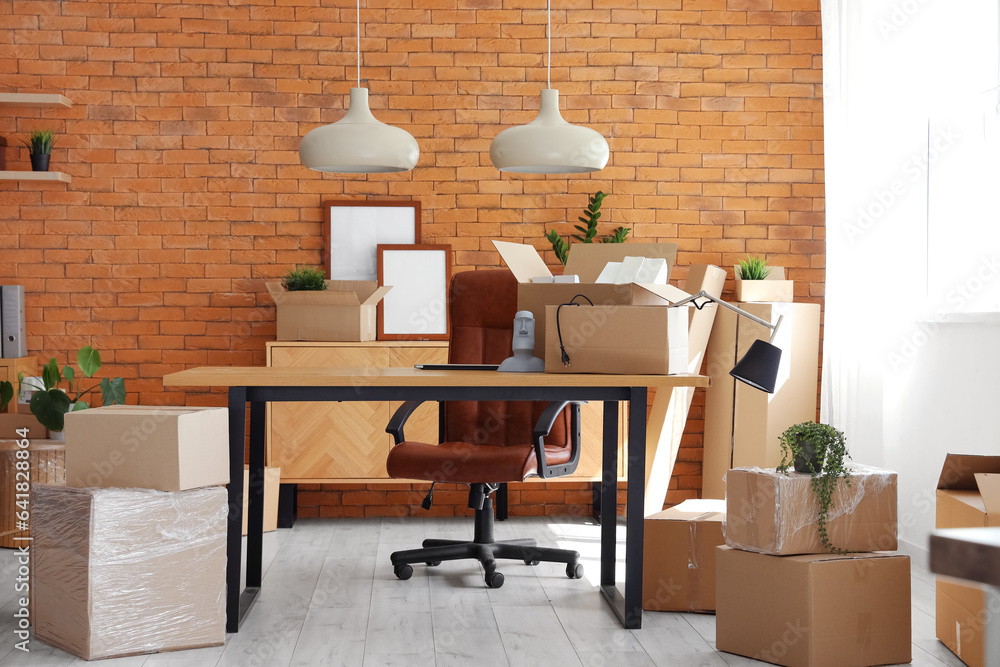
[(821, 451), (588, 233)]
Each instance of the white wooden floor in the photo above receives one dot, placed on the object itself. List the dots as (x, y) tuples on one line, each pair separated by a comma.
[(330, 598)]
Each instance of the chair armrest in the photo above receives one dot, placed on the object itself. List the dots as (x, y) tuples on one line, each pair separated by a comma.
[(542, 429), (403, 412)]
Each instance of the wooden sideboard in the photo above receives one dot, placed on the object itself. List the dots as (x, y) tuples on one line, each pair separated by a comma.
[(346, 442)]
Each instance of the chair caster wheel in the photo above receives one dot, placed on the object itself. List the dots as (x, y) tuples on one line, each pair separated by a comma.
[(433, 563), (574, 571), (531, 561), (403, 572), (494, 580)]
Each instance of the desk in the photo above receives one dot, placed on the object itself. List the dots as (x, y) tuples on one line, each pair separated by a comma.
[(973, 554), (259, 385)]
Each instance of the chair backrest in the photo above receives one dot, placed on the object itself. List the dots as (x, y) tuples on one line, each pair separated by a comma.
[(481, 313)]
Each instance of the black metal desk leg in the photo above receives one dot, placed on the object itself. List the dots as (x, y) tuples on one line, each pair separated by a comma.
[(634, 507), (255, 504), (234, 530), (609, 495)]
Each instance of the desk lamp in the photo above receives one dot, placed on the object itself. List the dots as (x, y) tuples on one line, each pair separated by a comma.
[(759, 366)]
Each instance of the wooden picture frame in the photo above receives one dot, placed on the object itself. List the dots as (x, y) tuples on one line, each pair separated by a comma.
[(353, 230), (416, 308)]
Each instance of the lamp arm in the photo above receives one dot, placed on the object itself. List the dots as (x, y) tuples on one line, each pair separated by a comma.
[(740, 311)]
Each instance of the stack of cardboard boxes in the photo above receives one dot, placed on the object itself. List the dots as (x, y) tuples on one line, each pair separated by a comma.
[(782, 599), (757, 560), (130, 557), (968, 496)]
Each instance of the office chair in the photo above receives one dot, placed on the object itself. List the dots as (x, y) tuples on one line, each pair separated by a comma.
[(485, 443)]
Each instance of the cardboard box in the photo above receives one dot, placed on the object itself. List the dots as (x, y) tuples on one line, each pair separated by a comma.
[(815, 610), (968, 496), (641, 340), (585, 260), (127, 571), (345, 311), (46, 462), (774, 513), (678, 556), (21, 418), (772, 288), (272, 482), (169, 448), (742, 424)]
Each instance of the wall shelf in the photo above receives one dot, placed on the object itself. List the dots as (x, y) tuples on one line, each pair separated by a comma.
[(34, 100), (35, 176)]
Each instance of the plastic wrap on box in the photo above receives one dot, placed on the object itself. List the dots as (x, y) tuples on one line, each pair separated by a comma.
[(46, 463), (128, 571), (777, 513)]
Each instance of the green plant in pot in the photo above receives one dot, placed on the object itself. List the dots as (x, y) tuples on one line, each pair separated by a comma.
[(587, 234), (819, 450), (39, 145), (753, 268), (51, 404), (304, 278)]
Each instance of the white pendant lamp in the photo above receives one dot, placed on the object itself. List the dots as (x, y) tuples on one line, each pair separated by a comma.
[(548, 144), (359, 143)]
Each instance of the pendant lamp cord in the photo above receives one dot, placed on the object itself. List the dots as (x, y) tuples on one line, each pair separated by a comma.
[(359, 42), (548, 9)]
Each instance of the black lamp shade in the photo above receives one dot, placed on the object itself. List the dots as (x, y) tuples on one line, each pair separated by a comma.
[(759, 366)]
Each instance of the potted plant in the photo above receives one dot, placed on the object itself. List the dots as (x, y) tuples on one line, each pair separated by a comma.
[(590, 217), (39, 145), (819, 450), (758, 282), (753, 268), (50, 405), (305, 279)]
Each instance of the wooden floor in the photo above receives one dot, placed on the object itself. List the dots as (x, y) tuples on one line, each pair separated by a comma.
[(330, 598)]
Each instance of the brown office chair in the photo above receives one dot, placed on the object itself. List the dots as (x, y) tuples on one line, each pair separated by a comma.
[(486, 443)]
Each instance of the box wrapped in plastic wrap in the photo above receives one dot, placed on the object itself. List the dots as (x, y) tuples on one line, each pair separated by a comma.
[(127, 571), (776, 513), (46, 463)]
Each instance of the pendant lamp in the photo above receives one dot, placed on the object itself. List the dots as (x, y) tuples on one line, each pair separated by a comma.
[(359, 143), (548, 144)]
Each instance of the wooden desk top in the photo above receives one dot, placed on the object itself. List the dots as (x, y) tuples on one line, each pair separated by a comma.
[(972, 554), (261, 376)]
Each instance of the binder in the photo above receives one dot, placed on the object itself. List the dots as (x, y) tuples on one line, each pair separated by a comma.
[(14, 342)]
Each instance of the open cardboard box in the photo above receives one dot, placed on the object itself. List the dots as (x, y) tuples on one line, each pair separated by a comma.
[(968, 496), (345, 311), (585, 260), (772, 288)]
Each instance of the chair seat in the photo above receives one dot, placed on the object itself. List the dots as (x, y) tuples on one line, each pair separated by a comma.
[(466, 463)]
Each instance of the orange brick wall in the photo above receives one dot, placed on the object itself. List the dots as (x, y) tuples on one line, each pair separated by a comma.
[(187, 191)]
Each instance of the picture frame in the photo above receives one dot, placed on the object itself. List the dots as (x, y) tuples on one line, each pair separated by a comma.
[(353, 229), (416, 308)]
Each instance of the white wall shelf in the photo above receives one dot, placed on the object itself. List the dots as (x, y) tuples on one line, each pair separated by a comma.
[(35, 176), (34, 100)]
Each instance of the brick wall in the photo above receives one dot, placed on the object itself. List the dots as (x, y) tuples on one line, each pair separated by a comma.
[(187, 191)]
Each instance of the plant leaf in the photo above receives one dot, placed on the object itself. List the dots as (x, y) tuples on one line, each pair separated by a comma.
[(50, 408), (89, 361), (80, 405), (113, 391), (6, 393), (68, 373), (50, 374)]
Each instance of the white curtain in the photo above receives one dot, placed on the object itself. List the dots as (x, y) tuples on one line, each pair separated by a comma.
[(910, 123)]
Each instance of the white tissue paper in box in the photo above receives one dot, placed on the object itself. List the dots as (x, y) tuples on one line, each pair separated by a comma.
[(127, 571)]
